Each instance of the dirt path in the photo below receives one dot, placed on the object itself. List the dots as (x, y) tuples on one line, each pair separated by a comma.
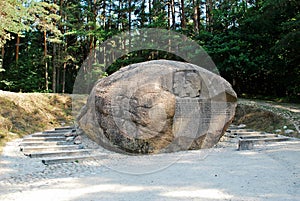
[(269, 172)]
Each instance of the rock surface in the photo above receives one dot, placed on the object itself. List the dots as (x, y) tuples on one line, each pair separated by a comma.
[(158, 106)]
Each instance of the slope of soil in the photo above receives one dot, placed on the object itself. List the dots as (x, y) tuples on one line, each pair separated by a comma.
[(269, 116), (25, 113)]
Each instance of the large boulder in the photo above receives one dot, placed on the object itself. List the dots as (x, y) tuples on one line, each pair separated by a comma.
[(159, 106)]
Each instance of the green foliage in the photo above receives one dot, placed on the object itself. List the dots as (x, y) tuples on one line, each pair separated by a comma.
[(18, 16), (254, 43), (256, 47), (13, 13)]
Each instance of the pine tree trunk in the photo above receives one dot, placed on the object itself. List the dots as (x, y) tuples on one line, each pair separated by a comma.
[(150, 11), (104, 15), (17, 47), (183, 20), (64, 78), (195, 16), (129, 23), (209, 7), (94, 28), (143, 14), (58, 73), (2, 56), (61, 50), (45, 60), (54, 69), (129, 15), (173, 14), (169, 15), (120, 25), (2, 52), (105, 28)]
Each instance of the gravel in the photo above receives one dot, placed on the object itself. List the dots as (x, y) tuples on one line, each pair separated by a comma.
[(269, 172)]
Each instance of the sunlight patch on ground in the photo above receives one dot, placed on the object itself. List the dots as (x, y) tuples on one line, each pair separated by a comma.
[(205, 193), (292, 109), (75, 190)]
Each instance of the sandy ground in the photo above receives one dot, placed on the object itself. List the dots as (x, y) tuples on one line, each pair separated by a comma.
[(269, 172)]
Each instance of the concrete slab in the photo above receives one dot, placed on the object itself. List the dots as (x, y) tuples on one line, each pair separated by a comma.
[(44, 139), (60, 153), (66, 128), (248, 144), (231, 130), (57, 131), (67, 159), (48, 148), (258, 136), (41, 143), (50, 134), (247, 132)]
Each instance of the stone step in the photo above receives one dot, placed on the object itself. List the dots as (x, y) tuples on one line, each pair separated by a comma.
[(237, 126), (41, 143), (248, 133), (258, 136), (66, 128), (57, 131), (29, 149), (67, 159), (239, 130), (48, 135), (247, 144), (59, 153), (45, 139)]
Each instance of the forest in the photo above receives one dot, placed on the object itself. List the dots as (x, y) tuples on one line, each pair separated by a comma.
[(254, 43)]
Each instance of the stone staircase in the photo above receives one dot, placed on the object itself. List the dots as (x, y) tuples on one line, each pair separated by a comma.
[(56, 146), (247, 138)]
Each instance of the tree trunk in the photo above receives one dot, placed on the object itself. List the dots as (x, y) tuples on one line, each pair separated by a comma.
[(104, 15), (105, 28), (2, 53), (150, 12), (129, 15), (143, 14), (64, 78), (17, 47), (2, 56), (120, 25), (169, 14), (173, 14), (94, 28), (54, 69), (45, 59), (209, 7), (61, 50), (58, 77), (129, 23), (196, 16), (183, 20)]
